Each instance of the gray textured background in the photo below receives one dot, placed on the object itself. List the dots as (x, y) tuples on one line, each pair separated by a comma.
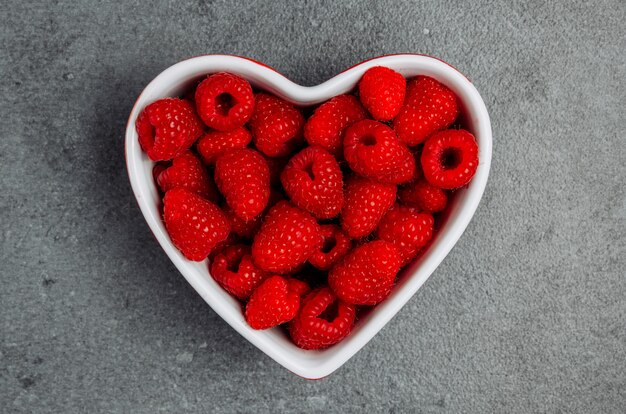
[(527, 313)]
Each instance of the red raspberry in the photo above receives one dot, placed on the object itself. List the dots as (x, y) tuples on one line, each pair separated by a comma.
[(194, 224), (231, 240), (366, 202), (287, 238), (243, 177), (187, 172), (450, 158), (313, 181), (167, 127), (382, 92), (373, 150), (329, 121), (245, 229), (298, 286), (224, 101), (423, 196), (407, 229), (273, 303), (234, 271), (214, 143), (336, 245), (323, 320), (430, 107), (276, 126), (365, 276)]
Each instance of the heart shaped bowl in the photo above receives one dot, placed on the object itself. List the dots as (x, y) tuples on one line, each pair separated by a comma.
[(177, 79)]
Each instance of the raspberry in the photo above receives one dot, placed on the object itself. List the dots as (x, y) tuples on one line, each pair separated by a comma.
[(242, 228), (234, 271), (194, 224), (246, 229), (366, 202), (423, 196), (336, 245), (298, 286), (313, 181), (329, 121), (243, 177), (382, 92), (365, 276), (287, 238), (187, 172), (450, 158), (373, 150), (167, 127), (273, 303), (407, 229), (224, 101), (322, 321), (430, 107), (231, 240), (214, 143), (276, 126)]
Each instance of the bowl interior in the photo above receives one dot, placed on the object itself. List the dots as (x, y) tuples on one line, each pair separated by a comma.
[(178, 79)]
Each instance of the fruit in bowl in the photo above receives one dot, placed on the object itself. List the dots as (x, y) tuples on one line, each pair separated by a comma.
[(308, 202), (421, 152)]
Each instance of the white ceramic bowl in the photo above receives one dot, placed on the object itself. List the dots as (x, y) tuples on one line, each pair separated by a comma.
[(275, 343)]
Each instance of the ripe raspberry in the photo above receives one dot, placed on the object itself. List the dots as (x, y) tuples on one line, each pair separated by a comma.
[(273, 303), (298, 286), (430, 107), (194, 224), (224, 101), (373, 150), (366, 202), (287, 238), (234, 271), (246, 229), (243, 177), (382, 92), (214, 143), (329, 121), (276, 126), (450, 158), (423, 196), (365, 276), (313, 181), (231, 240), (407, 229), (187, 172), (167, 127), (336, 245), (323, 320)]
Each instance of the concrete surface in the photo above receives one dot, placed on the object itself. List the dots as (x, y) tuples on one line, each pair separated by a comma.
[(527, 314)]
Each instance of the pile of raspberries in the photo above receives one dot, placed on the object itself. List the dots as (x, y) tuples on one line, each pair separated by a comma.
[(307, 214)]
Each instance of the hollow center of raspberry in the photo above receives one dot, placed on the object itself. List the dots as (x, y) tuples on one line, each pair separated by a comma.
[(223, 103), (309, 170), (368, 140), (450, 158), (234, 266), (329, 245), (331, 312)]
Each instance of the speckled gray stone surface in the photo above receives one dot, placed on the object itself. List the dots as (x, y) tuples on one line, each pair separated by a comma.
[(527, 313)]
